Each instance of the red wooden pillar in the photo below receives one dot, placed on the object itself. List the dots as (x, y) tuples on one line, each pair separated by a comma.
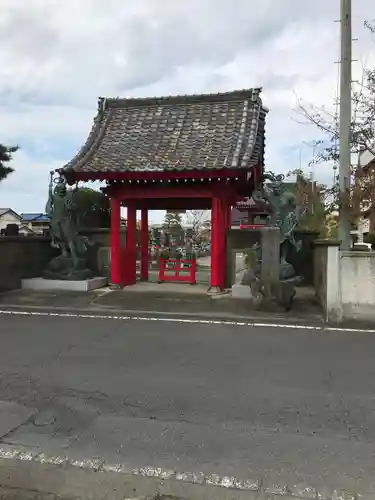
[(229, 216), (144, 244), (116, 241), (131, 246), (215, 245), (225, 217), (223, 227)]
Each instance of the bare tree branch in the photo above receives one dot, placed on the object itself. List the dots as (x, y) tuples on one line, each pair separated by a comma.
[(198, 220), (362, 133)]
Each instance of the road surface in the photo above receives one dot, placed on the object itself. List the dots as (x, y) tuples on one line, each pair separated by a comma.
[(281, 405)]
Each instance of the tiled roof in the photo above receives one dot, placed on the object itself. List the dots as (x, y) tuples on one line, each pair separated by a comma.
[(211, 131)]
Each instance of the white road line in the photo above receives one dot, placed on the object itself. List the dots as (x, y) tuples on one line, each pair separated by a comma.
[(164, 319), (252, 486), (158, 473), (10, 452)]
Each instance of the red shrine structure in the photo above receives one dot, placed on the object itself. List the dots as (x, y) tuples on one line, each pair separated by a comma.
[(173, 153)]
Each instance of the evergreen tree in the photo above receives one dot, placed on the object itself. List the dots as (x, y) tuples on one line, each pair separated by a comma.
[(172, 219), (93, 208), (5, 157)]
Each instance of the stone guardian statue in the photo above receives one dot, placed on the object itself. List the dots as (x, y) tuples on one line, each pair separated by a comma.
[(71, 264)]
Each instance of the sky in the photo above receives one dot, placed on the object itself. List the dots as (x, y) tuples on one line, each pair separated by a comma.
[(57, 58)]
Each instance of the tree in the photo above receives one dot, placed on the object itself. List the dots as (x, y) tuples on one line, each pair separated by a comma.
[(312, 196), (199, 221), (172, 220), (93, 208), (173, 227), (362, 135), (332, 226), (6, 154)]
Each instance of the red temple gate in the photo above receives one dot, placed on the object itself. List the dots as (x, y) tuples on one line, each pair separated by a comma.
[(176, 153)]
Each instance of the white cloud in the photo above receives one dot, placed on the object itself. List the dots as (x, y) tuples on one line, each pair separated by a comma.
[(57, 57)]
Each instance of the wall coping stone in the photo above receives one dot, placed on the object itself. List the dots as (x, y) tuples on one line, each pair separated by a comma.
[(326, 243), (357, 254)]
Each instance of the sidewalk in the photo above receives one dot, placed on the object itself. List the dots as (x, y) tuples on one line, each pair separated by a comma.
[(173, 300)]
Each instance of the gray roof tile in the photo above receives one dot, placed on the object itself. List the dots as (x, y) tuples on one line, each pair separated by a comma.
[(210, 131)]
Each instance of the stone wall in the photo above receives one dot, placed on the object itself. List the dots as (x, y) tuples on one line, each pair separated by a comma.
[(22, 257), (26, 256), (237, 240), (302, 261)]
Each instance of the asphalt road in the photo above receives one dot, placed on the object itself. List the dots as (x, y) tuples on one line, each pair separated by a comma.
[(283, 405)]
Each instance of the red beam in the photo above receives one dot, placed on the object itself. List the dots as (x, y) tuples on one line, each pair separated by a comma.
[(173, 204), (158, 175), (139, 192), (166, 191)]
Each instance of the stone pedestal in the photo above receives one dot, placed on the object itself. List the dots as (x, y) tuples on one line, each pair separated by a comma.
[(270, 268), (41, 284)]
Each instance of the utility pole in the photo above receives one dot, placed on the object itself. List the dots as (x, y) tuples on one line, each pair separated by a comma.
[(345, 121)]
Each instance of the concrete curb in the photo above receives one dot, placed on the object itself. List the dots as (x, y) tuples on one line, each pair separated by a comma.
[(96, 479), (96, 310)]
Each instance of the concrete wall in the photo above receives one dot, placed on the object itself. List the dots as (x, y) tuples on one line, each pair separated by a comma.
[(357, 283), (344, 282)]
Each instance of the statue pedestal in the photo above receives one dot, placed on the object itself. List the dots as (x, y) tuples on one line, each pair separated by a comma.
[(41, 284)]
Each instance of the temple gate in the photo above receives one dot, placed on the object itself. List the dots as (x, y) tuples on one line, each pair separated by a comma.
[(174, 153)]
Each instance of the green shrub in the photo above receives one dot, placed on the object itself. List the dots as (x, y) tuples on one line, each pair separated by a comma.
[(164, 253)]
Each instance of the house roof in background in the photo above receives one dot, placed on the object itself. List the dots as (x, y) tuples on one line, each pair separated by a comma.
[(34, 217), (365, 157), (4, 211), (175, 133)]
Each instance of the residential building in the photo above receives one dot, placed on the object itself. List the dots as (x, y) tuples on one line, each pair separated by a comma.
[(364, 189), (37, 222), (9, 216)]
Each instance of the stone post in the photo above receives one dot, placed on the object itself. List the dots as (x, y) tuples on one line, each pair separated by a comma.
[(327, 278), (270, 268)]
